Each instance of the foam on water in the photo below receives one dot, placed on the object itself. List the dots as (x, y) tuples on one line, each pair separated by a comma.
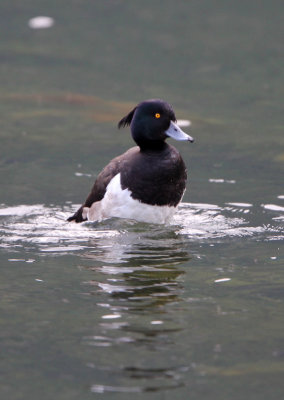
[(45, 227)]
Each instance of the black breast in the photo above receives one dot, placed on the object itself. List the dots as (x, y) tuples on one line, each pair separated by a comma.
[(155, 177)]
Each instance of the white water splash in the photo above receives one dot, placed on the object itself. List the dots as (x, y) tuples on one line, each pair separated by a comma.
[(207, 222), (45, 229)]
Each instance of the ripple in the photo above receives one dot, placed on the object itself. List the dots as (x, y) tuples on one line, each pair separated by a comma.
[(116, 389), (45, 229), (136, 272), (42, 227), (221, 180), (207, 222), (150, 380), (273, 207), (240, 204), (41, 22)]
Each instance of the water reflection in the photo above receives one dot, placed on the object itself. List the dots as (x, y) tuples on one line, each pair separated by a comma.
[(141, 271), (140, 277), (139, 265), (133, 337)]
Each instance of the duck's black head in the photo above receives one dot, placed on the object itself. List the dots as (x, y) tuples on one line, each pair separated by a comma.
[(151, 123)]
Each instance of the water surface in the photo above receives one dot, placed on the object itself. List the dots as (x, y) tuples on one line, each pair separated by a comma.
[(120, 308)]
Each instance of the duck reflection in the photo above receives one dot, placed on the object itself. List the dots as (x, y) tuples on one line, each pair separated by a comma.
[(139, 266), (139, 277)]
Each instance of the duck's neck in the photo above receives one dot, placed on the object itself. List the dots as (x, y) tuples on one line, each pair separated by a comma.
[(152, 145)]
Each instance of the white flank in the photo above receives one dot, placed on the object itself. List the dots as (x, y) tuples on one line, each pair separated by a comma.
[(119, 203)]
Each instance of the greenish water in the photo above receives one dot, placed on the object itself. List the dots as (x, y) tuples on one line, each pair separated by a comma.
[(193, 310)]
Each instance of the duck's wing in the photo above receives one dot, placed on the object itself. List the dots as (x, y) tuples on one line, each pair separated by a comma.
[(101, 183), (98, 190)]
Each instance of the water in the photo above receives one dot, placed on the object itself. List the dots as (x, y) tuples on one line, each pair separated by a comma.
[(120, 308), (127, 307)]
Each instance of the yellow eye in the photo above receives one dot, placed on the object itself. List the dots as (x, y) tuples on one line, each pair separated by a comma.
[(157, 115)]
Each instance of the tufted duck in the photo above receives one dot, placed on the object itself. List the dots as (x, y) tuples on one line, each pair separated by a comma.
[(147, 182)]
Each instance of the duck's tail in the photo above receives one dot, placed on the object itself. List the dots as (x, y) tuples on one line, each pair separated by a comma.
[(78, 216)]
